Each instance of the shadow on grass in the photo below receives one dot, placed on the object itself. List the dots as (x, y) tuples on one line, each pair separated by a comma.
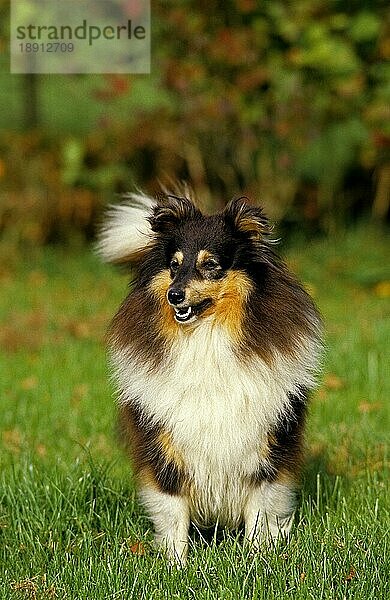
[(120, 507), (320, 488), (315, 467), (319, 491)]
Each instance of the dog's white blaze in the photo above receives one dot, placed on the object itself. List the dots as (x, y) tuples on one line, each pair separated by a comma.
[(126, 229), (217, 408)]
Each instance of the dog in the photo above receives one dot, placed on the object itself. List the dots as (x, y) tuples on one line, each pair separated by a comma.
[(214, 352)]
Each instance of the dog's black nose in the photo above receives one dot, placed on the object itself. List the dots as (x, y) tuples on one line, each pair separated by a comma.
[(176, 296)]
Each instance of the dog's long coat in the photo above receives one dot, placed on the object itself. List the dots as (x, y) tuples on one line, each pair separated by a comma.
[(214, 351)]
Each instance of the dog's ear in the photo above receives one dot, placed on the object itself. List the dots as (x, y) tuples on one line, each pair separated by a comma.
[(169, 211), (247, 220)]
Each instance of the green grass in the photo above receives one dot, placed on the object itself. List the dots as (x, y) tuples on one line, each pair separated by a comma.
[(69, 519)]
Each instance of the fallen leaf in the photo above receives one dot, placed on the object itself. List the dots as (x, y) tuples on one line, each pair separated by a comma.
[(41, 450), (23, 330), (79, 329), (34, 587), (51, 592), (27, 585), (37, 278), (333, 382), (350, 575), (29, 383), (321, 394), (137, 548), (80, 392), (12, 440), (367, 407), (382, 289)]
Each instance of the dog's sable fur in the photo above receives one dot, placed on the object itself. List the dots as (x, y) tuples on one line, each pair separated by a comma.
[(214, 351)]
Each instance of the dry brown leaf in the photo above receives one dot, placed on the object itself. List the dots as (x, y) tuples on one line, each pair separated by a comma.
[(368, 407), (333, 382), (137, 548), (41, 450), (27, 585), (80, 392), (79, 329), (321, 394), (382, 289), (51, 592), (12, 440), (29, 383), (30, 587), (37, 278)]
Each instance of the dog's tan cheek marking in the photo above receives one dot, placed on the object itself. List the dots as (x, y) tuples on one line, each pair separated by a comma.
[(159, 284), (230, 305), (165, 318), (200, 290), (229, 295)]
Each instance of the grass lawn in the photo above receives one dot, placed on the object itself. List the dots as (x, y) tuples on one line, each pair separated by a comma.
[(70, 524)]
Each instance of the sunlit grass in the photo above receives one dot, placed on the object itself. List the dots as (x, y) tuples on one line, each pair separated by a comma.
[(70, 525)]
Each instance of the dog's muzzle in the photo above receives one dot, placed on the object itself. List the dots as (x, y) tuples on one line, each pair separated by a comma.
[(189, 312)]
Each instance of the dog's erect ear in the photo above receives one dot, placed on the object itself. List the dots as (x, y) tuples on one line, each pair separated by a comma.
[(247, 220), (169, 210)]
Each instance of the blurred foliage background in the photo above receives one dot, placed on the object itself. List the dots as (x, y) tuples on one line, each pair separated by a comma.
[(287, 103)]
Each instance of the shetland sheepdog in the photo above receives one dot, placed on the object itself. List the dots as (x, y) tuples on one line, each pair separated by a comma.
[(214, 352)]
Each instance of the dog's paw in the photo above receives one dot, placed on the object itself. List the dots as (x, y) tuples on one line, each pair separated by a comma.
[(268, 532), (174, 551)]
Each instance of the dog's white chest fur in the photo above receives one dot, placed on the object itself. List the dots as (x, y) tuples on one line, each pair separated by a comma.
[(217, 409)]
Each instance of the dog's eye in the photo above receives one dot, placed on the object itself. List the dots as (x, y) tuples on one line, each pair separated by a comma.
[(210, 264), (174, 265)]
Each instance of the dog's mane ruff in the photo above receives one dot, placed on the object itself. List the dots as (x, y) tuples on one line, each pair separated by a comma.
[(126, 232)]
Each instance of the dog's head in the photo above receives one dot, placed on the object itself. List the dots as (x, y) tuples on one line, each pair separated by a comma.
[(194, 264), (204, 254), (201, 255)]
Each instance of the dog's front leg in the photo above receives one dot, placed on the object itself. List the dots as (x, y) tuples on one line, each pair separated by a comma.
[(269, 512), (171, 520)]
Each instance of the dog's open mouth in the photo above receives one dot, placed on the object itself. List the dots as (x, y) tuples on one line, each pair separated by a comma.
[(187, 314)]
